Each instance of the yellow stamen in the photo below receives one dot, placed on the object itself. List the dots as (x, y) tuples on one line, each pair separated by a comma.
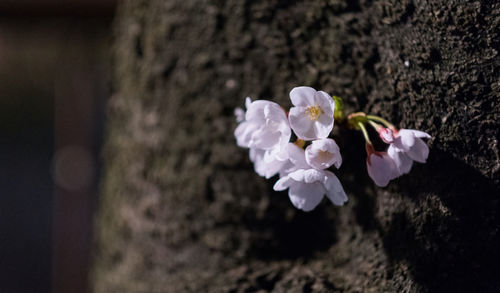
[(300, 143), (314, 112)]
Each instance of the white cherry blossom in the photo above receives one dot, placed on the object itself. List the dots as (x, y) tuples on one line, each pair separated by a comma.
[(307, 187), (265, 127), (323, 153), (409, 141), (405, 146), (312, 115)]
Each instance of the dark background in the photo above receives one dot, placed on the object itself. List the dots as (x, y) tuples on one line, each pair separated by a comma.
[(54, 81)]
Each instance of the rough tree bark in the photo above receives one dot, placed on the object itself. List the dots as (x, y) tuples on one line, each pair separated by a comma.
[(181, 207)]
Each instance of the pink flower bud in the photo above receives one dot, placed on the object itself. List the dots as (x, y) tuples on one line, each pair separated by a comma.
[(386, 134)]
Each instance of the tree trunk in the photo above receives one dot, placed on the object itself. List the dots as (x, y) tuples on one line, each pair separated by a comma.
[(182, 209)]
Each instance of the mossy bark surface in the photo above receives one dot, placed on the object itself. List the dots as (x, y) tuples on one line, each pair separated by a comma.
[(181, 208)]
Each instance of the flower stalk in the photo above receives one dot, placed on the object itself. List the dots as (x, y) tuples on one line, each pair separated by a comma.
[(381, 120), (362, 127)]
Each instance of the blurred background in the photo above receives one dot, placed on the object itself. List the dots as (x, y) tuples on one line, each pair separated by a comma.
[(54, 82)]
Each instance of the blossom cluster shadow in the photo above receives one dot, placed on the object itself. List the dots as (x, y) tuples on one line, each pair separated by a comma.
[(452, 248), (294, 234), (451, 245)]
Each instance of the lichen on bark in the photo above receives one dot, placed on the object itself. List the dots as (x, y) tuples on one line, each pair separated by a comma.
[(181, 208)]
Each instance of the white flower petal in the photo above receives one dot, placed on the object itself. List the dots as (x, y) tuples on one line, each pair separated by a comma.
[(280, 152), (296, 160), (300, 123), (274, 112), (307, 175), (256, 154), (306, 196), (248, 101), (302, 96), (283, 183), (407, 138), (420, 134), (284, 129), (263, 138), (334, 190), (323, 126), (269, 156), (326, 102), (243, 134), (381, 168), (326, 120), (255, 111), (298, 175), (313, 175), (297, 156), (402, 161), (398, 144), (419, 151), (271, 169), (264, 163), (288, 167)]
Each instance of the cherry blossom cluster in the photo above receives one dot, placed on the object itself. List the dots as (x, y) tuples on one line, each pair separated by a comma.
[(267, 130)]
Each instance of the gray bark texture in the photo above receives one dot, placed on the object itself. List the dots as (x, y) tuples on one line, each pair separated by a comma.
[(181, 207)]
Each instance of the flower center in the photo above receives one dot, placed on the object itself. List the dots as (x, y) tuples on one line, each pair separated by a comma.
[(324, 155), (314, 112)]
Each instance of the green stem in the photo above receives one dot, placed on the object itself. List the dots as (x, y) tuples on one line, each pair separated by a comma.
[(365, 133), (376, 126), (354, 118), (381, 120)]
